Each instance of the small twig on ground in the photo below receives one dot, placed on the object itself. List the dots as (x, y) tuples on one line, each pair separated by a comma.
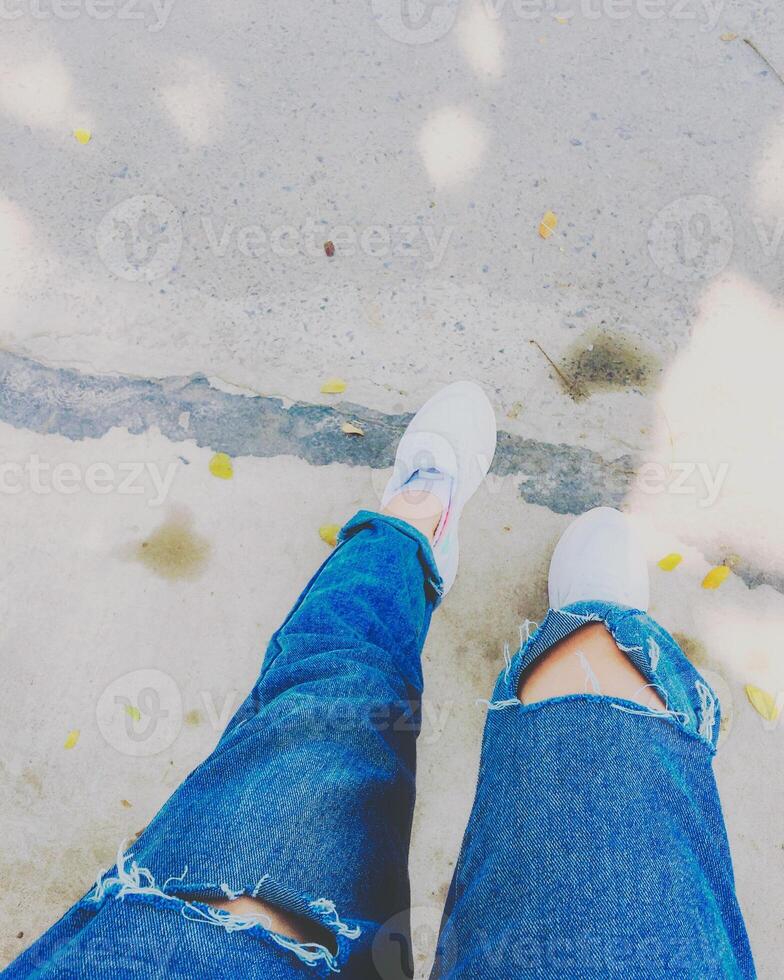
[(571, 386), (754, 48)]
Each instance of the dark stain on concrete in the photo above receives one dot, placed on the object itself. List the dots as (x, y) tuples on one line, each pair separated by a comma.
[(604, 361), (696, 651), (174, 551), (440, 893), (32, 783)]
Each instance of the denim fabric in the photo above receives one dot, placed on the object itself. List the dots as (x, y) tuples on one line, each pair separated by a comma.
[(596, 845)]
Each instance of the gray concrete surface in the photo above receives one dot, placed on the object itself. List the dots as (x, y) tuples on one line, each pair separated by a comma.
[(166, 295)]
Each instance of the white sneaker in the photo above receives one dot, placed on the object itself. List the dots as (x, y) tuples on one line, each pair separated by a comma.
[(598, 557), (446, 450)]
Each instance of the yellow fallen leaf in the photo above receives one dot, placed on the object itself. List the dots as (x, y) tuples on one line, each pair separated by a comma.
[(333, 386), (72, 738), (126, 803), (715, 577), (329, 533), (352, 429), (548, 224), (133, 711), (670, 561), (763, 702), (220, 466), (729, 36), (82, 136)]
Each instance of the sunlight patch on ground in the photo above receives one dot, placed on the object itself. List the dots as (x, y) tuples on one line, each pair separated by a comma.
[(742, 632), (38, 93), (22, 259), (452, 144), (716, 464), (481, 40), (194, 100)]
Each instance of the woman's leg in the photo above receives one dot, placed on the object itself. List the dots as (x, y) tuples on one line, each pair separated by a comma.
[(286, 850), (596, 846), (305, 803), (422, 511)]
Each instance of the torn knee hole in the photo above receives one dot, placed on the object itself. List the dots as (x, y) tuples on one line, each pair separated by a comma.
[(297, 927), (318, 937), (587, 661)]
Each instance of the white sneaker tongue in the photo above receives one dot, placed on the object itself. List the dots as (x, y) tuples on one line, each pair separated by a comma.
[(426, 451), (430, 481)]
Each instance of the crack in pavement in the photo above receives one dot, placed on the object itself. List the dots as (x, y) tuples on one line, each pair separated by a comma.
[(63, 401)]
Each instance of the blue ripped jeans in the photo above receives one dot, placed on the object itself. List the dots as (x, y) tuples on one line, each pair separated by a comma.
[(596, 846)]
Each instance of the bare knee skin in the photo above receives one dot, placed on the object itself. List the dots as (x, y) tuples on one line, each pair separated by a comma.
[(288, 924), (587, 661)]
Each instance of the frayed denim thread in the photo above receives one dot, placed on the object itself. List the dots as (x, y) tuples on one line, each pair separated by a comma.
[(690, 702), (138, 883)]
